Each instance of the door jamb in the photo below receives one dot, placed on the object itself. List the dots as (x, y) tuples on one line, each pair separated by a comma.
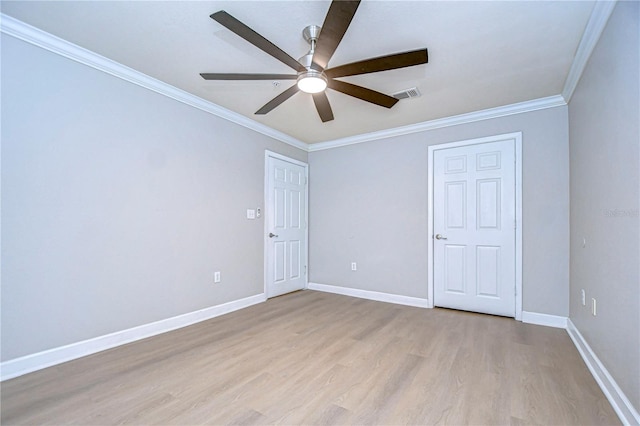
[(267, 212), (517, 140)]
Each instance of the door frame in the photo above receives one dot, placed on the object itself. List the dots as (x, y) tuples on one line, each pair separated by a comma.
[(517, 140), (267, 214)]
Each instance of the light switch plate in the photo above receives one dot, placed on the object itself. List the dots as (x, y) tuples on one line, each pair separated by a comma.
[(251, 214)]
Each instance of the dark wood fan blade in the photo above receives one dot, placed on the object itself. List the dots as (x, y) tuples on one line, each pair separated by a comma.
[(278, 100), (363, 93), (335, 25), (323, 107), (217, 76), (256, 39), (382, 63)]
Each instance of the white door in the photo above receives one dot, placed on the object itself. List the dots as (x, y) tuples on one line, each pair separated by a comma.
[(474, 222), (286, 227)]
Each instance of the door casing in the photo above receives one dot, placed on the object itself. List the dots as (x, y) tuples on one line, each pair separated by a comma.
[(267, 212), (516, 137)]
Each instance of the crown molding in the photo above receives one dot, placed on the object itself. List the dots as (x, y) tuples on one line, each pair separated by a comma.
[(592, 32), (596, 24), (25, 32), (486, 114)]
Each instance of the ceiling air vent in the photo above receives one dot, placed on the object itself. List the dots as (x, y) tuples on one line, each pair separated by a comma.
[(408, 93)]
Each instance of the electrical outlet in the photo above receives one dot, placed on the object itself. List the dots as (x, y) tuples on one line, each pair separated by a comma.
[(584, 297), (216, 277), (593, 306), (354, 267)]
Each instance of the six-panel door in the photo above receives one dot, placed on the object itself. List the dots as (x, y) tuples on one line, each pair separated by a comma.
[(474, 228), (286, 251)]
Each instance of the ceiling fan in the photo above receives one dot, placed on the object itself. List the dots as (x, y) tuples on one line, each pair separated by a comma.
[(312, 75)]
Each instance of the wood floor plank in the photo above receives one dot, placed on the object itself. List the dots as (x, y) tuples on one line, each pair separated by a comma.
[(322, 359)]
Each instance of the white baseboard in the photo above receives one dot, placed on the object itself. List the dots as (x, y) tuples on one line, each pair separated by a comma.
[(371, 295), (544, 319), (29, 363), (618, 400)]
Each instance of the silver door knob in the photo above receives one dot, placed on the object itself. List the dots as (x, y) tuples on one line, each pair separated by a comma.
[(440, 237), (271, 235)]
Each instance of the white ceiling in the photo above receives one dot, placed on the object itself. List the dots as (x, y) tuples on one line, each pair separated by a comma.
[(482, 54)]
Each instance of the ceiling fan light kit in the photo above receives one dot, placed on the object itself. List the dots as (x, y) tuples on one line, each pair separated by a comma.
[(312, 73), (312, 82)]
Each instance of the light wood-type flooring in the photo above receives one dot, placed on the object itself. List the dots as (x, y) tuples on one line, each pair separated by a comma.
[(318, 358)]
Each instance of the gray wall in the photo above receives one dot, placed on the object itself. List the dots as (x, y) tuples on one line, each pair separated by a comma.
[(604, 117), (118, 204), (368, 204)]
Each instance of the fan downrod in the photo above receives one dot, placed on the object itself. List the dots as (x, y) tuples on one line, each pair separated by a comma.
[(310, 35)]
